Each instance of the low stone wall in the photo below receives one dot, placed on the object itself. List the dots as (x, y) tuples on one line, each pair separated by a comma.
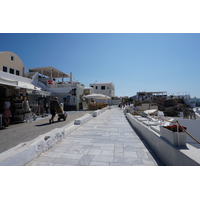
[(96, 113), (83, 120), (25, 152), (170, 155)]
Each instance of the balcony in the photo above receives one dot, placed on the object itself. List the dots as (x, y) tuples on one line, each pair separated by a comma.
[(54, 84)]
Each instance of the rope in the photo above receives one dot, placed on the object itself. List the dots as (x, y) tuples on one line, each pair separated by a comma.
[(188, 133), (174, 122)]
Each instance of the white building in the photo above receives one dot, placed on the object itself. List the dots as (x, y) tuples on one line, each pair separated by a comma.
[(53, 80), (41, 83), (108, 89), (104, 88)]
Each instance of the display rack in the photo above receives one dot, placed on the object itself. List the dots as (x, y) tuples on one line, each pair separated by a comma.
[(18, 114)]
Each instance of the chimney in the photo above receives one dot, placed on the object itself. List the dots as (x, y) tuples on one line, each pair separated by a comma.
[(71, 77)]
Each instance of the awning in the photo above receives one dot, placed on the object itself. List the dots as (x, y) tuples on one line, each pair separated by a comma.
[(97, 96), (6, 81), (50, 72), (18, 84), (27, 86)]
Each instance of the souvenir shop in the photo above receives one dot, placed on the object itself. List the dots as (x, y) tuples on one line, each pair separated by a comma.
[(38, 101)]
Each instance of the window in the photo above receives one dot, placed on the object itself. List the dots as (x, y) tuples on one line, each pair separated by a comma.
[(12, 71), (86, 91), (103, 87), (12, 58), (5, 69), (17, 72), (96, 87)]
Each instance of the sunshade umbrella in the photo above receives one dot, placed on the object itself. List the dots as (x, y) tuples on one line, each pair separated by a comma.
[(97, 96)]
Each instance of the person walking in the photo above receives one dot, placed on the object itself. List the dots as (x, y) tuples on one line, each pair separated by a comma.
[(26, 110), (135, 109), (65, 107), (53, 106), (7, 113)]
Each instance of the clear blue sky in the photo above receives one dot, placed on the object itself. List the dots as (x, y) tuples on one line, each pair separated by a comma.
[(133, 62)]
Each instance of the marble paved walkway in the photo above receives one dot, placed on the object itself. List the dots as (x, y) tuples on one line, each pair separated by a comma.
[(106, 140)]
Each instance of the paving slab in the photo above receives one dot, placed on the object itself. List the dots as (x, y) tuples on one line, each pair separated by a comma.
[(106, 140)]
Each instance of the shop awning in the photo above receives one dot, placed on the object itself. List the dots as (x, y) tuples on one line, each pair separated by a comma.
[(6, 81), (27, 86), (18, 84)]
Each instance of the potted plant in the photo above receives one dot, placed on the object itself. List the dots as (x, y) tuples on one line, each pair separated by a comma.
[(174, 134)]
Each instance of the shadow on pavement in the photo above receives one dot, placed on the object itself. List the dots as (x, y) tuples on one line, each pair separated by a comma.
[(43, 124)]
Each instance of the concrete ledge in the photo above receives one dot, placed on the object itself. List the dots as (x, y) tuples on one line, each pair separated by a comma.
[(96, 113), (150, 123), (83, 120), (141, 119), (168, 154)]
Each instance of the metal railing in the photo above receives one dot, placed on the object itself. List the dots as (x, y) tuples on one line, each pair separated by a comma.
[(64, 85)]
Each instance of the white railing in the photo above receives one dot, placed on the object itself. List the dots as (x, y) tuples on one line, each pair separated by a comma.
[(63, 85)]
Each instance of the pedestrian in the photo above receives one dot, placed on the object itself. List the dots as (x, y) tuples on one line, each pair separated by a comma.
[(65, 107), (53, 106), (135, 109), (12, 109), (123, 106), (26, 110), (47, 106), (41, 105), (7, 113)]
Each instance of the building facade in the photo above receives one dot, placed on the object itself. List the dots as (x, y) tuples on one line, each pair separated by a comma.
[(11, 63), (107, 88)]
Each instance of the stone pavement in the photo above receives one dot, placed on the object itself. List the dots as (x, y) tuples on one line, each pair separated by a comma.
[(106, 140), (23, 132)]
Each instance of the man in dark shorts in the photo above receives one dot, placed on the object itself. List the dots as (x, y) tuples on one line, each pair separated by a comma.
[(53, 106)]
